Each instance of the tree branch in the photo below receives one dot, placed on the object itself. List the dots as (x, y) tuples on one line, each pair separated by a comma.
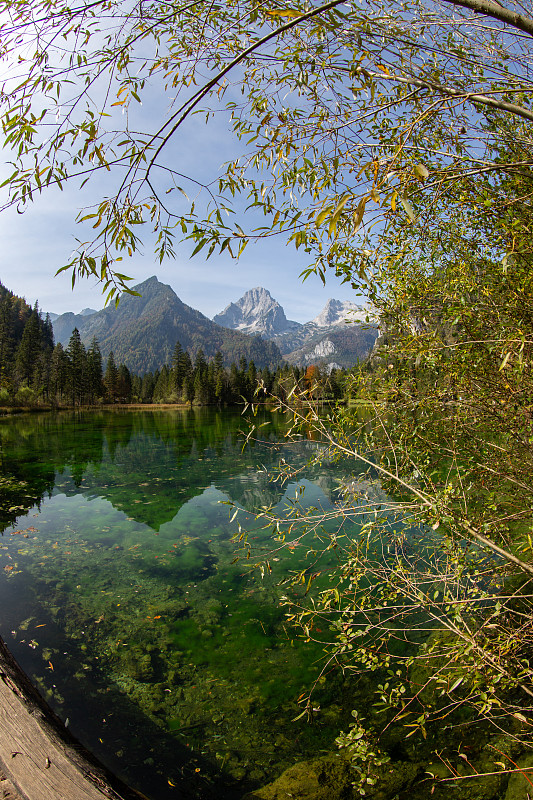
[(471, 97), (496, 11)]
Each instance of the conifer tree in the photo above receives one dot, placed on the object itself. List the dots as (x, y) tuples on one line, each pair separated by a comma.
[(94, 370), (59, 372), (124, 387), (111, 379), (28, 350), (147, 387), (177, 368), (77, 372), (187, 391), (162, 386)]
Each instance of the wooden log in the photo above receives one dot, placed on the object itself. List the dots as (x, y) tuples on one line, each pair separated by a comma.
[(40, 756)]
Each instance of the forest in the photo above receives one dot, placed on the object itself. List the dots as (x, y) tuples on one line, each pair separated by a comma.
[(391, 143), (35, 372)]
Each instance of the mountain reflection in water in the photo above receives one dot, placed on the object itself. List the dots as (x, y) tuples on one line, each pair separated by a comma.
[(123, 600)]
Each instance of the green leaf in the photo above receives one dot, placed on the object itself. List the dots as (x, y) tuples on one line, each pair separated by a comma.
[(408, 208), (421, 171)]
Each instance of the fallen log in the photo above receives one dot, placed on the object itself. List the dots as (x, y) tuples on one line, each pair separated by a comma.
[(39, 755)]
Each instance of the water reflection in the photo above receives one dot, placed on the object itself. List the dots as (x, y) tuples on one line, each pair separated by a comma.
[(171, 660)]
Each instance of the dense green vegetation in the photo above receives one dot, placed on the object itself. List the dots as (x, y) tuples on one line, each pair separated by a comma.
[(401, 161), (35, 372), (26, 345)]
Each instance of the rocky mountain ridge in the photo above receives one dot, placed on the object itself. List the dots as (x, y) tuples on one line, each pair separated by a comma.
[(256, 312), (337, 337), (142, 331)]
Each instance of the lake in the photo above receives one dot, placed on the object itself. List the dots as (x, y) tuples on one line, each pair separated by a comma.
[(123, 600)]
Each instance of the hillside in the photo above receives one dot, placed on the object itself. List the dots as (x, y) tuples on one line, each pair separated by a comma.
[(336, 347), (142, 331)]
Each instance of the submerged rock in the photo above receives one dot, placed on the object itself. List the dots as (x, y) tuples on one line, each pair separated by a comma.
[(332, 777), (520, 783)]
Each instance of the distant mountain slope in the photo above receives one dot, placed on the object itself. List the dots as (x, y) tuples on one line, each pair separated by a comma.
[(256, 312), (334, 347), (335, 337), (337, 312), (143, 331)]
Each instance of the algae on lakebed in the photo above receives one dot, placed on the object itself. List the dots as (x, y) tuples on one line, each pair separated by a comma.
[(126, 606)]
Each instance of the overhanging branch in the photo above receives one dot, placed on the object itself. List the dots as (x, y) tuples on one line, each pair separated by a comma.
[(496, 11)]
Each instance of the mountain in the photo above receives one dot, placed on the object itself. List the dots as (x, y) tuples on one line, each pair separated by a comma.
[(334, 338), (142, 331), (338, 336), (332, 347), (85, 313), (337, 312), (256, 312)]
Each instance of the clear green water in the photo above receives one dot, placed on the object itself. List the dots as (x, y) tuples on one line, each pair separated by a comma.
[(122, 599)]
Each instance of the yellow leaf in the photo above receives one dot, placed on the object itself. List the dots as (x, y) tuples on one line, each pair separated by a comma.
[(360, 212), (322, 216), (505, 360), (283, 12), (341, 205), (421, 171), (408, 208), (101, 157)]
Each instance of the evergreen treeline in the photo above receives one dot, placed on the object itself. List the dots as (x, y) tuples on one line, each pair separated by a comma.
[(33, 371), (26, 346), (202, 382)]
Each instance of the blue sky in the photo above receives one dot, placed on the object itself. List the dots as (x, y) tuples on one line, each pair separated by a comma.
[(35, 244)]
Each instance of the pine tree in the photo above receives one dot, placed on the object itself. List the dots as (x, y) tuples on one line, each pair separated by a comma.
[(201, 387), (28, 350), (177, 368), (147, 388), (136, 387), (187, 390), (59, 372), (162, 386), (77, 372), (48, 334), (200, 364), (220, 378), (251, 380), (111, 379), (95, 384), (7, 338), (124, 384)]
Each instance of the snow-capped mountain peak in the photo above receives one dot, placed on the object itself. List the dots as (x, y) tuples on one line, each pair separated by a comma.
[(256, 312), (337, 312)]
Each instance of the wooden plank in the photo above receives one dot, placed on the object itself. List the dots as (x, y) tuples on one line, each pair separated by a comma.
[(40, 756), (7, 790)]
